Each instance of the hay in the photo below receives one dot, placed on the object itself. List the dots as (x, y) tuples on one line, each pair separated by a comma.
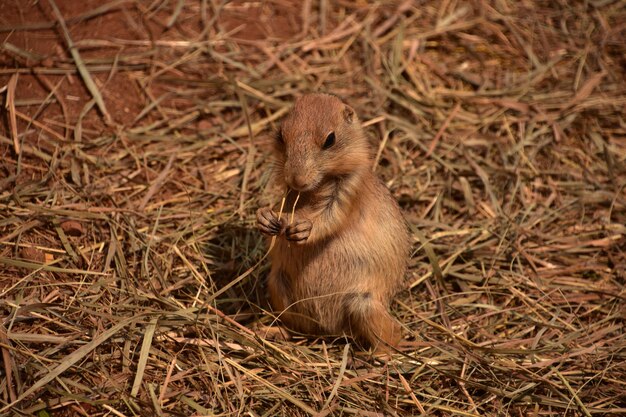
[(499, 126)]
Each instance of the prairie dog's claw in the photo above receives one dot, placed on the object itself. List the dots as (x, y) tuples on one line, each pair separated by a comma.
[(299, 231), (268, 222)]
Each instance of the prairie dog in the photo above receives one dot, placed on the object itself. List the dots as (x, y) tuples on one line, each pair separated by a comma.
[(336, 267)]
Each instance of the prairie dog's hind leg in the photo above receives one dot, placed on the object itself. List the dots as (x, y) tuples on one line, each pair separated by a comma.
[(279, 290), (369, 321)]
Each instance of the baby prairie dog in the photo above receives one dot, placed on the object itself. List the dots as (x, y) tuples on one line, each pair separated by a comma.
[(337, 265)]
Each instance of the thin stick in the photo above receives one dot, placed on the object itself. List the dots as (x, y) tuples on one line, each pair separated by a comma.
[(280, 213), (293, 209)]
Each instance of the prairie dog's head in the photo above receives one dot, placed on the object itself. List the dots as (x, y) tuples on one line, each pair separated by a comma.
[(321, 138)]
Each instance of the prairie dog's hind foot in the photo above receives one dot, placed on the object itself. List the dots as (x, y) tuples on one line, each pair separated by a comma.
[(275, 332)]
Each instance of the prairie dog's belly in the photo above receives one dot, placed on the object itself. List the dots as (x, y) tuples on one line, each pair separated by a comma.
[(362, 258)]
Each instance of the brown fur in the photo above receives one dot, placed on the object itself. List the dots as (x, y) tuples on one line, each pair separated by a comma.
[(336, 268)]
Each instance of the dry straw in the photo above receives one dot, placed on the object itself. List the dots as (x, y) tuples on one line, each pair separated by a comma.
[(135, 152)]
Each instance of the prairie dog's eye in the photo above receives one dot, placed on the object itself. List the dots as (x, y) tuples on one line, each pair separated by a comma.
[(330, 140)]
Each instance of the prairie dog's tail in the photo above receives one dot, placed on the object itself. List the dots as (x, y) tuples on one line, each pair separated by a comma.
[(370, 322)]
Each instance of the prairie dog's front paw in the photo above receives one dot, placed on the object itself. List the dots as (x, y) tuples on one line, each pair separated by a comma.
[(268, 222), (299, 231)]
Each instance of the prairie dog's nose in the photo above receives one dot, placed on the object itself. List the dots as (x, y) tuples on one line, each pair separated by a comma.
[(298, 182)]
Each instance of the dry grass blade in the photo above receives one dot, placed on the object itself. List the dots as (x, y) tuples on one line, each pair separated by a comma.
[(10, 106), (9, 364), (143, 355), (71, 359), (432, 257), (573, 393), (258, 126), (281, 392), (342, 369), (158, 182), (136, 149), (177, 10), (82, 69), (36, 266)]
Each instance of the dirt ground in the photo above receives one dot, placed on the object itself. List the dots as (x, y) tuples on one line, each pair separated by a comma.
[(135, 151)]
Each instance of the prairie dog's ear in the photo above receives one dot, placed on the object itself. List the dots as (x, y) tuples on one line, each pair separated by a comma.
[(349, 114)]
